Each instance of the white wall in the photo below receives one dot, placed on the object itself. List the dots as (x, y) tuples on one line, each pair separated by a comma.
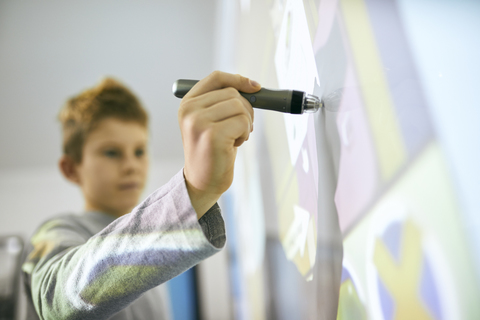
[(51, 50)]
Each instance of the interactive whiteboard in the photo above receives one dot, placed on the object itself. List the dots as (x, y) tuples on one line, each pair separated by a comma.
[(353, 212)]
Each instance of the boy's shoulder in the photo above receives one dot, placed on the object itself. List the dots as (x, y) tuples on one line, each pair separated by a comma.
[(53, 236), (84, 225)]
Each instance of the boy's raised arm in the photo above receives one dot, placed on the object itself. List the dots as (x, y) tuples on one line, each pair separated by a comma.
[(214, 120), (74, 275)]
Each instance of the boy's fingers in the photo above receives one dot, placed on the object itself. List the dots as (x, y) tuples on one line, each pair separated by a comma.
[(218, 80), (236, 128), (226, 98), (227, 109)]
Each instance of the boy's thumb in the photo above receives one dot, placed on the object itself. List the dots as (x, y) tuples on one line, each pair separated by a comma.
[(255, 84), (249, 86), (244, 84)]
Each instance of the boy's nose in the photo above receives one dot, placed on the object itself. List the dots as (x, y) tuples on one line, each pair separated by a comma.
[(131, 164)]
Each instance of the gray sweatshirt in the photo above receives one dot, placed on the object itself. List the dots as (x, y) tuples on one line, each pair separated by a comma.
[(93, 266)]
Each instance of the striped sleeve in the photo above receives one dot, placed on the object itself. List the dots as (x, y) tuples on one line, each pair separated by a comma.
[(71, 277)]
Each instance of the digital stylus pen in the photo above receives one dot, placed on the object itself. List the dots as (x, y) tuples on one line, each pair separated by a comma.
[(288, 101)]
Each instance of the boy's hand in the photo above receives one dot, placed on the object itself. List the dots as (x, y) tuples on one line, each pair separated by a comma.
[(214, 120)]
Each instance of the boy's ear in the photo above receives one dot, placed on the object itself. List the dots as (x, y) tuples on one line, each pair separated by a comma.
[(68, 167)]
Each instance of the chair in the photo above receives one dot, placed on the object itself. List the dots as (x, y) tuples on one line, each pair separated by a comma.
[(11, 248)]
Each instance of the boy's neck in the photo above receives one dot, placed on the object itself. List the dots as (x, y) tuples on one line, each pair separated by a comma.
[(112, 213)]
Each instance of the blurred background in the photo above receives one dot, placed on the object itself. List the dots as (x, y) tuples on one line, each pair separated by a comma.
[(51, 51)]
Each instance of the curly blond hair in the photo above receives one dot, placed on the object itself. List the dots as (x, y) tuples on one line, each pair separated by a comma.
[(83, 112)]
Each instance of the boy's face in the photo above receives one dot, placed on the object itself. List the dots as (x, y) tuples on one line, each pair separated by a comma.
[(114, 166)]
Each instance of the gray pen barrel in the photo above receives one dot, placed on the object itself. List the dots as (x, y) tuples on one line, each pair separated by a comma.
[(287, 101), (182, 86), (277, 100)]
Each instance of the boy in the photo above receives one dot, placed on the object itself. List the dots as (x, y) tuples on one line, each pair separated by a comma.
[(108, 262)]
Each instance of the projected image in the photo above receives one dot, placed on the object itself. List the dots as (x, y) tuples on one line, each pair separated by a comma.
[(370, 161), (382, 118), (297, 182), (409, 249), (351, 297), (406, 287)]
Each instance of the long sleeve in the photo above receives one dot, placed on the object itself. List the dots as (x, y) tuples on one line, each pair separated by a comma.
[(73, 276)]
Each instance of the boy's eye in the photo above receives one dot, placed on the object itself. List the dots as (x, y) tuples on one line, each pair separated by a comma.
[(111, 153), (139, 152)]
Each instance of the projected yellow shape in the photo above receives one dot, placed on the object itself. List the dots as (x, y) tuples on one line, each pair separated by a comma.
[(372, 81), (402, 278), (350, 306)]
